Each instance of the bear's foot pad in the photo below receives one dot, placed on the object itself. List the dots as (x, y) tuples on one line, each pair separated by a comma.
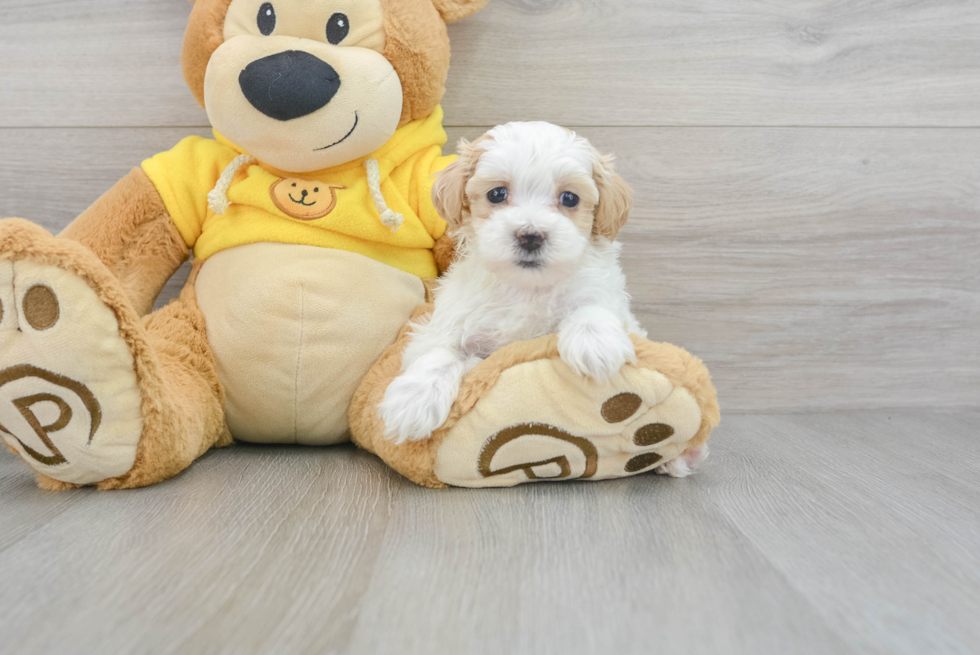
[(69, 401), (574, 429)]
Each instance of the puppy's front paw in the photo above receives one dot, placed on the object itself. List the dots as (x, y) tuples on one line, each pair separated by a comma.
[(410, 411), (596, 349), (418, 401)]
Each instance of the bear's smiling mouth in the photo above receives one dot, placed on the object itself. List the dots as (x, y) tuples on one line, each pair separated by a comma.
[(345, 136), (301, 201)]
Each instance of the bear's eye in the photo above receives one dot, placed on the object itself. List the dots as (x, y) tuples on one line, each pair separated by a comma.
[(316, 190), (569, 199), (338, 27), (498, 195), (267, 19)]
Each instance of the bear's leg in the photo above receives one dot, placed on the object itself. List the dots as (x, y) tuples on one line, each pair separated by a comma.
[(523, 415), (90, 394)]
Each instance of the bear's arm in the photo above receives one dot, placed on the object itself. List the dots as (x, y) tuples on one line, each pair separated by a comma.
[(131, 231)]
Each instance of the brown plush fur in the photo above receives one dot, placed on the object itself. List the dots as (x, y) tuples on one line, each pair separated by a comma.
[(417, 45), (416, 460), (454, 10), (187, 396), (182, 400), (205, 33), (445, 252), (130, 230)]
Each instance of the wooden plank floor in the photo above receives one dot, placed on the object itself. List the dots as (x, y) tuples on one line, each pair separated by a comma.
[(809, 533)]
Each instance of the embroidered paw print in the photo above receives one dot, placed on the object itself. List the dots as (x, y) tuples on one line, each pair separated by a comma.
[(305, 200), (624, 406), (540, 451), (636, 422), (62, 357)]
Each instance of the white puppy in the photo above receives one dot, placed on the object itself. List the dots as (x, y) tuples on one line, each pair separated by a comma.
[(534, 209)]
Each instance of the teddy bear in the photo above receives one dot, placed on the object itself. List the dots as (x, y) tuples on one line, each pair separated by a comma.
[(316, 242)]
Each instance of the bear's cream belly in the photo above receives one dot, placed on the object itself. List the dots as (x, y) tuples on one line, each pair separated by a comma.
[(294, 330)]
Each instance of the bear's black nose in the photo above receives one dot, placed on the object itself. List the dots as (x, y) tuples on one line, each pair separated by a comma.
[(289, 84)]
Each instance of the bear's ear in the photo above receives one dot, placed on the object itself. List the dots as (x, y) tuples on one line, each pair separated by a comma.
[(454, 10), (205, 33)]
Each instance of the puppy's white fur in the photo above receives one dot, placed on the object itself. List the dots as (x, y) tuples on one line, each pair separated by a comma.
[(496, 293)]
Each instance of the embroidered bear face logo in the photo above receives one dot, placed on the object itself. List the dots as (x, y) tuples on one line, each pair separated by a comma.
[(304, 200)]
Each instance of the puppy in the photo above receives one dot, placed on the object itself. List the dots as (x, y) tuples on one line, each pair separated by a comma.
[(534, 209)]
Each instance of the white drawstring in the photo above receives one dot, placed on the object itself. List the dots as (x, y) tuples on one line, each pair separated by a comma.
[(218, 198), (389, 217)]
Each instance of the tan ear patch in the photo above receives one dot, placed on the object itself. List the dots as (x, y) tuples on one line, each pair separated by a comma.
[(615, 199), (304, 200), (449, 190)]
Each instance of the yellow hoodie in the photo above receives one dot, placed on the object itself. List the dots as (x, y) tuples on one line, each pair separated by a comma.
[(332, 208)]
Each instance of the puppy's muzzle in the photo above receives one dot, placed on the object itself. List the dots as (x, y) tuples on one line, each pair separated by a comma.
[(530, 241), (289, 84)]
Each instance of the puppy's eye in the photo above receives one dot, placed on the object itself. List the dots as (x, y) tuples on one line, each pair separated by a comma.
[(267, 19), (569, 199), (338, 27), (498, 195)]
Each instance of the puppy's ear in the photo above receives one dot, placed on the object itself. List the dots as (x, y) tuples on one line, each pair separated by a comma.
[(615, 199), (449, 190), (449, 194), (454, 10)]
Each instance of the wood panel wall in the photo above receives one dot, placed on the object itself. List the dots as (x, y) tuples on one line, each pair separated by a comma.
[(806, 172)]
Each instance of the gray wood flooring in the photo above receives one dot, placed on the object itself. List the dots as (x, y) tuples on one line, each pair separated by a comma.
[(808, 221), (810, 533)]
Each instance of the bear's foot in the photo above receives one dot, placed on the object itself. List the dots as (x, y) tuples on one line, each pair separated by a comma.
[(523, 415), (70, 404), (542, 422)]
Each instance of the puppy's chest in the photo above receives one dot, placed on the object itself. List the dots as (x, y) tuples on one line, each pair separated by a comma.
[(503, 321)]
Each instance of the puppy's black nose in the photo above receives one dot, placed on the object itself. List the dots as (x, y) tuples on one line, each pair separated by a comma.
[(530, 241), (289, 84)]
